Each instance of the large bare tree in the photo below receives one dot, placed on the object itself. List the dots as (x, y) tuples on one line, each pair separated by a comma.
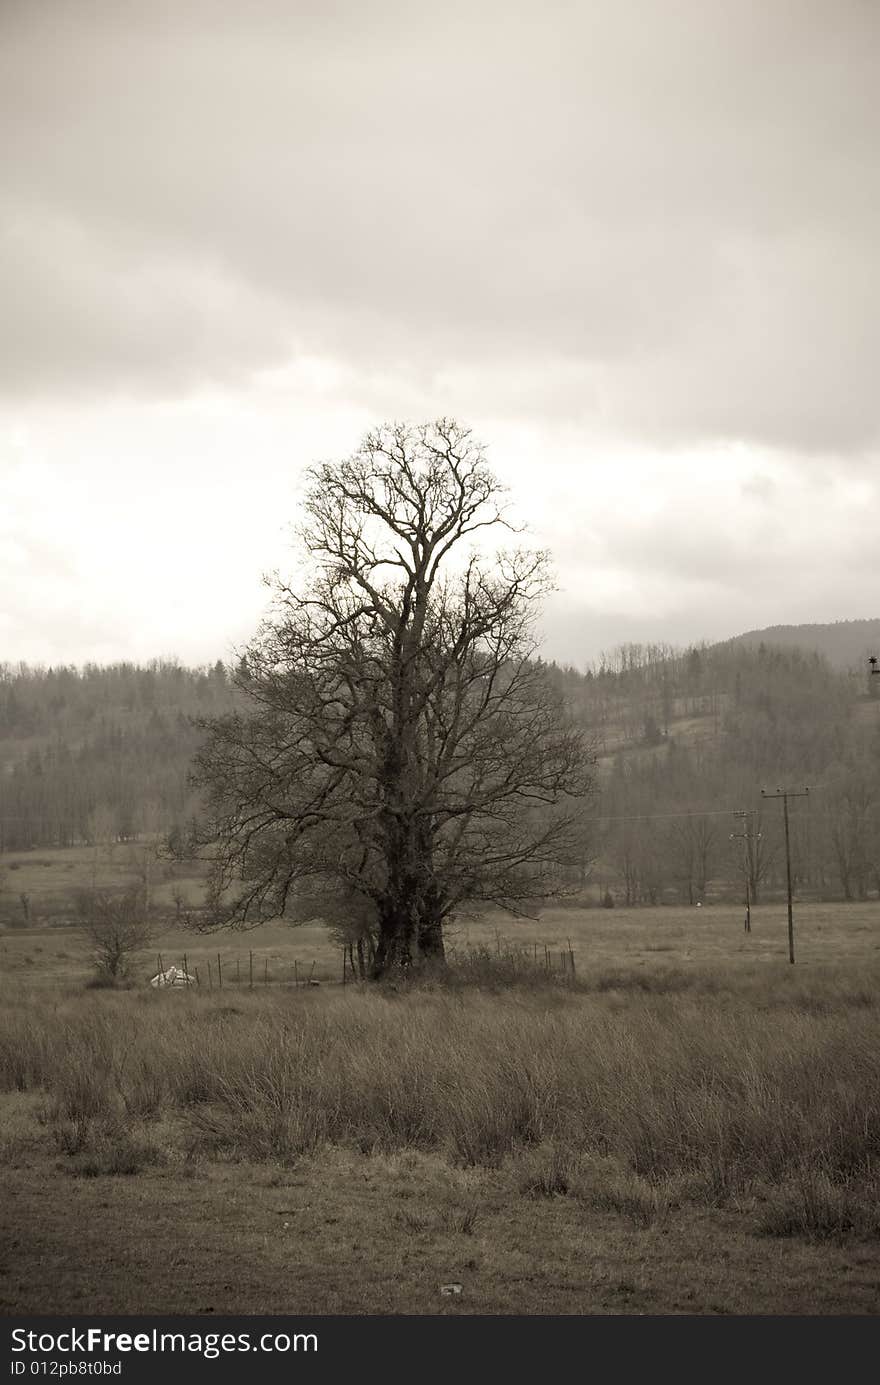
[(401, 740)]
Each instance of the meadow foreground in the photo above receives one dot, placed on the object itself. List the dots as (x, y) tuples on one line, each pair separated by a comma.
[(645, 1139)]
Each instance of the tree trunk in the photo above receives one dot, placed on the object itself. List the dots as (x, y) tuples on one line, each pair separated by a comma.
[(431, 940), (398, 938), (430, 911), (410, 917), (409, 934)]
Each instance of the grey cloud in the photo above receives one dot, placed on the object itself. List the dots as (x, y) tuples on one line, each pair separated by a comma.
[(704, 559), (81, 310), (675, 206)]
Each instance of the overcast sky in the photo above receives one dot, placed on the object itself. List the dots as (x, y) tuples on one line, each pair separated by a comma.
[(632, 243)]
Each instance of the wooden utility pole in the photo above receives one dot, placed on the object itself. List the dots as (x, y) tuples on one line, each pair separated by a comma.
[(785, 795), (745, 836)]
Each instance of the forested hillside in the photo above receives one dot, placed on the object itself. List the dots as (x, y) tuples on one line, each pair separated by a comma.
[(683, 739), (686, 738), (846, 644), (102, 753)]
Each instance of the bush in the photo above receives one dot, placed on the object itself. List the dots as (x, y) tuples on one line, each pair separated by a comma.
[(102, 981), (117, 926), (549, 1170), (644, 1204), (813, 1206), (117, 1155)]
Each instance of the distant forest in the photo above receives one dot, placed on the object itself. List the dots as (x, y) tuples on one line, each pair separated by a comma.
[(846, 644), (686, 739), (683, 738), (103, 753)]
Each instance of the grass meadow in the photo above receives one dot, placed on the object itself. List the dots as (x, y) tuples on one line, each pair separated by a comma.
[(683, 1124)]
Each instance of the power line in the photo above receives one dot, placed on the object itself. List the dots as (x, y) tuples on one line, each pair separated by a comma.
[(652, 817)]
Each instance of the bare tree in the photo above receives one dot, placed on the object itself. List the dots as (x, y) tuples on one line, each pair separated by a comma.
[(850, 835), (117, 925), (624, 855), (403, 739), (761, 853), (692, 841), (348, 915)]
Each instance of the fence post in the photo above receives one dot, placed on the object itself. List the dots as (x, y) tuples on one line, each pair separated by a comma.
[(219, 973), (210, 978), (238, 969), (252, 969), (343, 966), (185, 971), (266, 971), (295, 974)]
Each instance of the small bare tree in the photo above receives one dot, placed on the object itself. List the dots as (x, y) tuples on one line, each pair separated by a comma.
[(117, 925), (348, 915), (691, 841)]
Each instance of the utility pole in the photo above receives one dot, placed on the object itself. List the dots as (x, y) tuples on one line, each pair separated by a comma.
[(745, 836), (785, 795), (874, 669)]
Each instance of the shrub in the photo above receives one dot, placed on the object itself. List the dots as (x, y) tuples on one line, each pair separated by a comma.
[(120, 1155), (117, 926), (812, 1205), (644, 1203), (549, 1170)]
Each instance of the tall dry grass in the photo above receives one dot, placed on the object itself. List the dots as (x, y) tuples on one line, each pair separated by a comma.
[(728, 1089)]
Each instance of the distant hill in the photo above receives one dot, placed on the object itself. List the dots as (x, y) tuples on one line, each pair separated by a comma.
[(846, 644)]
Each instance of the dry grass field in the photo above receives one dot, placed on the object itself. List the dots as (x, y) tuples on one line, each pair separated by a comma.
[(686, 1125), (49, 879)]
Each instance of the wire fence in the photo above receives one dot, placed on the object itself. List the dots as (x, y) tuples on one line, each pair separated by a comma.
[(242, 970), (252, 970)]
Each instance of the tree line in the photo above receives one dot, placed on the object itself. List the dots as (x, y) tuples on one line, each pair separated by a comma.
[(101, 754), (691, 737), (104, 754)]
